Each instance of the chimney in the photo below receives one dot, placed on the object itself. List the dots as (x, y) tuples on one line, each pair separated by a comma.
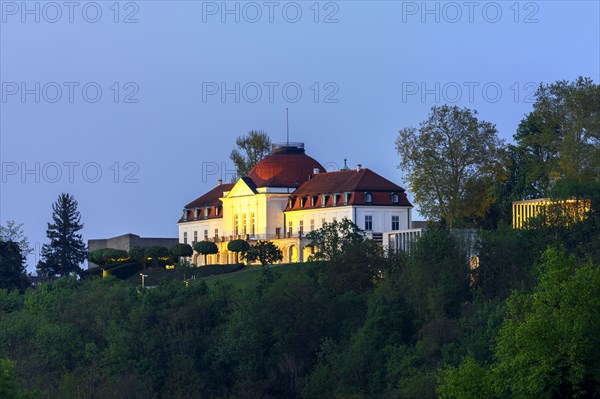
[(219, 182), (358, 167), (315, 171)]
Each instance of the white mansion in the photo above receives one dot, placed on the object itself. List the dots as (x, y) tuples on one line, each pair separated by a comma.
[(288, 194)]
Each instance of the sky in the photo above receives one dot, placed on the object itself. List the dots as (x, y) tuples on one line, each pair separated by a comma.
[(133, 106)]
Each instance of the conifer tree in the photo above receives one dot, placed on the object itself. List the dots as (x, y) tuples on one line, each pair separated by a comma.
[(66, 250)]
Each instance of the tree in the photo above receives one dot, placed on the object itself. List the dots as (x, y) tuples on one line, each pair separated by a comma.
[(331, 240), (156, 253), (139, 254), (14, 232), (181, 250), (549, 342), (8, 383), (559, 139), (264, 251), (451, 161), (105, 256), (206, 248), (238, 246), (66, 250), (12, 268), (251, 149)]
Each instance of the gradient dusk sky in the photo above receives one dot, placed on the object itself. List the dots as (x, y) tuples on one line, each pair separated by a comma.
[(133, 107)]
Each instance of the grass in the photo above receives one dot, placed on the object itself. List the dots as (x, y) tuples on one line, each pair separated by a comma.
[(236, 275), (249, 276)]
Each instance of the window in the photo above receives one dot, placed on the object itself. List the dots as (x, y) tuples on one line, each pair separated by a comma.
[(195, 237), (236, 227), (335, 199), (312, 200), (394, 198), (290, 228), (185, 237), (196, 211), (323, 199), (395, 222), (206, 212), (277, 232), (301, 228), (368, 198), (346, 198), (312, 224), (368, 222), (216, 234), (252, 230), (185, 214), (206, 234), (244, 224)]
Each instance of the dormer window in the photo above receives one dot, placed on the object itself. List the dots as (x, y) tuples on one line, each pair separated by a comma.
[(335, 199), (302, 202), (395, 198), (368, 198), (206, 212), (346, 198), (185, 214), (196, 212), (323, 200)]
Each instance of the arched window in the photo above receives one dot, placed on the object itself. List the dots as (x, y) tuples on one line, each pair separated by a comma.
[(394, 198), (368, 198), (244, 224), (252, 225), (236, 227)]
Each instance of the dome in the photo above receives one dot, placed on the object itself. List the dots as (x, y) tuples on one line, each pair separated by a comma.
[(286, 166)]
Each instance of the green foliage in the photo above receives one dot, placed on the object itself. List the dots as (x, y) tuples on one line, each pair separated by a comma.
[(264, 251), (8, 383), (506, 261), (14, 232), (106, 256), (12, 267), (549, 344), (435, 281), (238, 246), (470, 380), (332, 240), (250, 150), (206, 248), (66, 250), (180, 250), (451, 161), (155, 253)]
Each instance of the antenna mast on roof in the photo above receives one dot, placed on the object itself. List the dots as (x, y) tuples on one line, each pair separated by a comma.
[(287, 126)]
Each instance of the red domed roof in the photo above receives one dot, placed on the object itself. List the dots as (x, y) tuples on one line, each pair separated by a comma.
[(287, 166)]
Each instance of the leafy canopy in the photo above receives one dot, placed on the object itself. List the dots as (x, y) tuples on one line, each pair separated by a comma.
[(251, 148), (451, 160)]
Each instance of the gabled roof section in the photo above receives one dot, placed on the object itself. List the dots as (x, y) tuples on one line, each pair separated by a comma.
[(347, 180), (244, 186), (211, 198), (208, 206), (347, 187)]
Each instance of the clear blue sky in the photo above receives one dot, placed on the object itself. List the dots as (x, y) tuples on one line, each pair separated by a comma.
[(365, 70)]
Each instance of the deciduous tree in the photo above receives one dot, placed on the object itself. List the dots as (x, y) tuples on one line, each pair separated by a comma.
[(451, 159), (206, 248), (264, 251)]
